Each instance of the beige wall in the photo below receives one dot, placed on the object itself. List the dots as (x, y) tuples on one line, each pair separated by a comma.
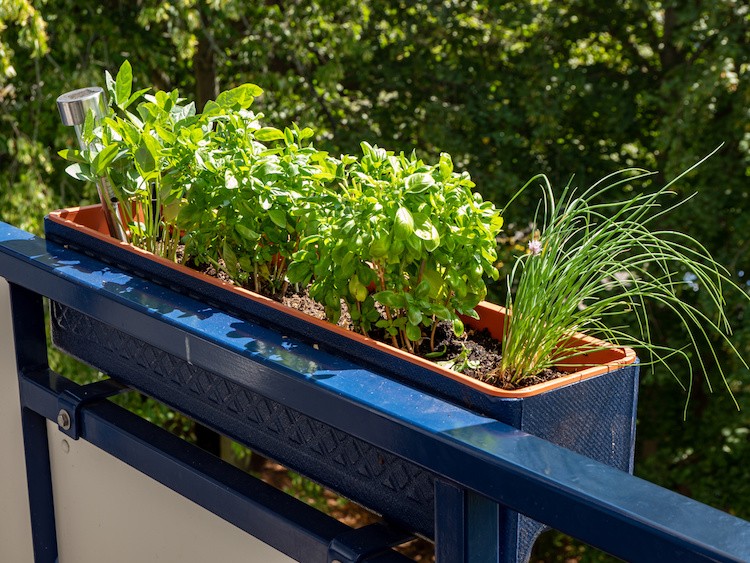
[(15, 533), (105, 509), (108, 511)]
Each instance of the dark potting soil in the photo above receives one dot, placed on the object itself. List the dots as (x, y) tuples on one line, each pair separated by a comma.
[(474, 354)]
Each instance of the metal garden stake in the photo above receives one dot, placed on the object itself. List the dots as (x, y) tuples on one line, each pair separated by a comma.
[(73, 107)]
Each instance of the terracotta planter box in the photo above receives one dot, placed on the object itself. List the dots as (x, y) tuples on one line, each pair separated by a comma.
[(85, 229), (591, 411)]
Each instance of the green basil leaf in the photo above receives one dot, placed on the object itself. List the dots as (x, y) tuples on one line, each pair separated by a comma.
[(111, 86), (288, 136), (422, 291), (471, 313), (267, 134), (267, 170), (166, 135), (403, 225), (241, 97), (414, 315), (245, 263), (134, 96), (247, 233), (428, 233), (441, 312), (390, 299), (278, 216), (435, 281), (80, 171), (299, 272), (123, 84), (458, 326), (418, 183), (379, 247), (230, 259), (88, 126), (413, 332), (104, 158), (73, 155), (446, 165), (305, 133), (144, 159), (358, 290), (230, 182), (211, 108)]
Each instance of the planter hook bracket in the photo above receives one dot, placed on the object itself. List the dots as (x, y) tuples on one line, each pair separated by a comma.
[(358, 545), (71, 401)]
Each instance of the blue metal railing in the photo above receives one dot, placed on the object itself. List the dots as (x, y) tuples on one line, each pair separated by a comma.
[(479, 472)]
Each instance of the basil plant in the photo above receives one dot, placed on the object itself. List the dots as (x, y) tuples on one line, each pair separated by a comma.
[(401, 243), (404, 244)]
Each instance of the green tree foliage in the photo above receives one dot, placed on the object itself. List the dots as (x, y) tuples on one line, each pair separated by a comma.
[(28, 28), (510, 89)]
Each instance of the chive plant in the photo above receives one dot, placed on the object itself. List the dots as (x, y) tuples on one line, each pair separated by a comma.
[(594, 258)]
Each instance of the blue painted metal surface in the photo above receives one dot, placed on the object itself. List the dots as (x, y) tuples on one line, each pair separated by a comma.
[(74, 399), (601, 409), (354, 468), (362, 543), (31, 357), (289, 525), (623, 515)]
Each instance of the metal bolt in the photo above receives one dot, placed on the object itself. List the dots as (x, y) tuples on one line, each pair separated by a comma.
[(65, 446), (63, 419)]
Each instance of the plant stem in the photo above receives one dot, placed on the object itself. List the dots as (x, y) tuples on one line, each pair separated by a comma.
[(421, 271), (407, 343), (284, 287)]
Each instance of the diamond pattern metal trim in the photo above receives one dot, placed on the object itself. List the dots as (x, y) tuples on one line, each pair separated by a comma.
[(370, 473)]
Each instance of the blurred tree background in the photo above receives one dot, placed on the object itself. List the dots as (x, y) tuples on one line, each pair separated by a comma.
[(510, 89)]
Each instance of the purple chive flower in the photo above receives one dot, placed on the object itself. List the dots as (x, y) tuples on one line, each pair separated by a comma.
[(535, 247)]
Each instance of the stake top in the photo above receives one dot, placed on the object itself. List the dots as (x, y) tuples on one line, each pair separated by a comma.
[(74, 105)]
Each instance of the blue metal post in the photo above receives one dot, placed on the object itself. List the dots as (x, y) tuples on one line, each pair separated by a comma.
[(31, 357), (468, 527)]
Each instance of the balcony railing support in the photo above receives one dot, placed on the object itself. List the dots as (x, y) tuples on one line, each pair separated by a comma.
[(31, 357), (481, 472)]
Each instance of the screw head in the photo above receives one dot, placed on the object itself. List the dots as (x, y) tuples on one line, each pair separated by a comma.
[(63, 419)]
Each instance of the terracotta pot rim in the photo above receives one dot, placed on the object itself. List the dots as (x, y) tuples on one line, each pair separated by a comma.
[(621, 356)]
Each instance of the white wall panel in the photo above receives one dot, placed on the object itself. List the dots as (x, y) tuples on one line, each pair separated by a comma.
[(15, 530), (108, 511)]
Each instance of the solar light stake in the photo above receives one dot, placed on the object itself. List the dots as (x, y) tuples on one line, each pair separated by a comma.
[(73, 107)]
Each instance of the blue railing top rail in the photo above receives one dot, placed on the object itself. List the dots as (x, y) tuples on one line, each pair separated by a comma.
[(621, 514)]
